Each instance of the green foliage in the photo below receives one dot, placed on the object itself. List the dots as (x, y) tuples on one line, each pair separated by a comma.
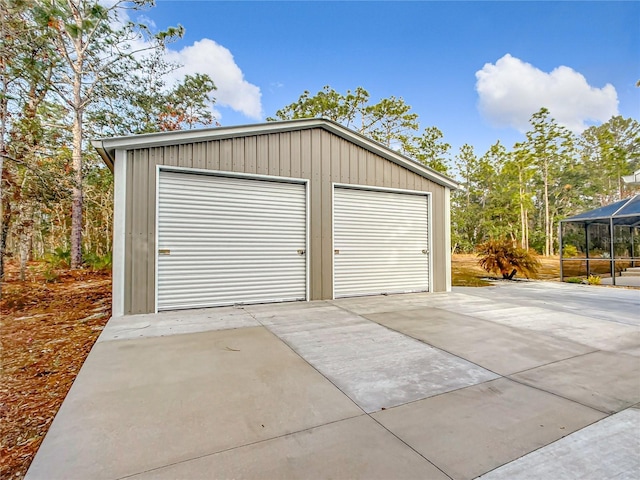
[(68, 71), (569, 251), (522, 194), (613, 150), (97, 262), (51, 275), (59, 258), (96, 53), (573, 280), (484, 207), (551, 148), (501, 256), (389, 122), (430, 149), (189, 103), (328, 103)]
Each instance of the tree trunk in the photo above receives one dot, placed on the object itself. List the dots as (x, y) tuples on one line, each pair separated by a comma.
[(547, 227), (76, 206), (523, 243), (23, 246), (5, 210), (526, 229), (4, 233)]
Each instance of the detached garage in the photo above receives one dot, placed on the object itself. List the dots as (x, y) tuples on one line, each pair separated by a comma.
[(282, 211)]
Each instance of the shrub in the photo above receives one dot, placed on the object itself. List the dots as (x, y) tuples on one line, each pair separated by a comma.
[(569, 251), (573, 280), (50, 275), (594, 280), (97, 262), (59, 258), (501, 256)]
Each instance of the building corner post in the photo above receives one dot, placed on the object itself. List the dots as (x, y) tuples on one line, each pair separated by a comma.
[(119, 222), (447, 238)]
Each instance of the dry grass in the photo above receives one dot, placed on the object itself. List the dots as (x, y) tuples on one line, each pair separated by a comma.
[(46, 330), (466, 272)]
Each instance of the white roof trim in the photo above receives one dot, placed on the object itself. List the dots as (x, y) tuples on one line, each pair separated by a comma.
[(107, 147)]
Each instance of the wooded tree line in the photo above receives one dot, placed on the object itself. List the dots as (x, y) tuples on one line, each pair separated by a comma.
[(519, 193), (72, 70)]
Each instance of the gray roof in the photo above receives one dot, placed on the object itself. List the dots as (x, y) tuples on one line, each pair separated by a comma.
[(106, 147), (624, 212)]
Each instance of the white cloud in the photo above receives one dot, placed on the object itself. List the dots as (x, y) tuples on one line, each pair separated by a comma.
[(512, 90), (204, 56), (207, 56)]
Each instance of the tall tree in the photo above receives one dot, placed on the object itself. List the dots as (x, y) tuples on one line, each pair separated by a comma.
[(188, 104), (26, 65), (430, 149), (464, 205), (145, 102), (346, 109), (497, 193), (135, 104), (613, 150), (390, 121), (94, 43), (550, 147), (483, 208), (520, 166)]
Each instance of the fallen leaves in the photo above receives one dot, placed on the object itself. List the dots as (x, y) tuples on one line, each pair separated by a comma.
[(46, 332)]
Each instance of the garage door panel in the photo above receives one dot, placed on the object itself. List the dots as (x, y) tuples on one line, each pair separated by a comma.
[(381, 240), (229, 240)]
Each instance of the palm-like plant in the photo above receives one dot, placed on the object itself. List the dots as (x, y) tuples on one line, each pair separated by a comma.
[(501, 256)]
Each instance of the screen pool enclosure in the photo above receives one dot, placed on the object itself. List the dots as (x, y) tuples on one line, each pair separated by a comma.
[(604, 241)]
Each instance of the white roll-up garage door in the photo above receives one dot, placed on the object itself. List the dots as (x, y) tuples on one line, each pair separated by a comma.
[(381, 242), (225, 240)]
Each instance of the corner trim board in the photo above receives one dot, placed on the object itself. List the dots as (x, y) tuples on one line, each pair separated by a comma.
[(119, 233)]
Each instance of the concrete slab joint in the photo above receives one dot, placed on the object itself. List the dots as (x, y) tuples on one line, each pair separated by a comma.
[(516, 382)]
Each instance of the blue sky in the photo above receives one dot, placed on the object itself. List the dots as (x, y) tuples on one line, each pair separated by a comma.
[(580, 59)]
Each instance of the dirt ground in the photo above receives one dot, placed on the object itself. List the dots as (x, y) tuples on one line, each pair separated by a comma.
[(46, 332), (48, 324)]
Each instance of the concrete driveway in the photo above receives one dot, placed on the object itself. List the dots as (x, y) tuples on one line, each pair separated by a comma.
[(523, 380)]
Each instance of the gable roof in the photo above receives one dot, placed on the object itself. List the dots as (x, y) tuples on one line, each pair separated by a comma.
[(106, 147)]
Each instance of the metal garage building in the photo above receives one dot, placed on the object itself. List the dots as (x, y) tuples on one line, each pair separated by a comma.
[(282, 211)]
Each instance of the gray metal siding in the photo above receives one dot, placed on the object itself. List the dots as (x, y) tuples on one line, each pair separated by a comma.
[(313, 154)]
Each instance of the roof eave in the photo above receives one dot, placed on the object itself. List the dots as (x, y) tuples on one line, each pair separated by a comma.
[(106, 147), (107, 157)]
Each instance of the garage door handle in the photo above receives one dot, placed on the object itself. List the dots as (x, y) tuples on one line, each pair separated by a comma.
[(301, 251), (425, 251)]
